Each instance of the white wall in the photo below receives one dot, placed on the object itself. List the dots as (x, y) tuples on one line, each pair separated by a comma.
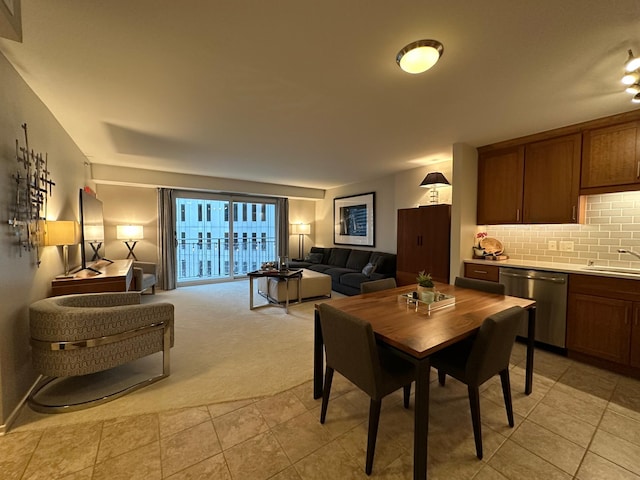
[(21, 281)]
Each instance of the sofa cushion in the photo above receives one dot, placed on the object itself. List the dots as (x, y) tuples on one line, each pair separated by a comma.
[(313, 257), (319, 267), (339, 256), (326, 252), (358, 259), (385, 262), (337, 272)]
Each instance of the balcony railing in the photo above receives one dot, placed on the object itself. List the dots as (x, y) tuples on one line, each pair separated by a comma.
[(212, 258)]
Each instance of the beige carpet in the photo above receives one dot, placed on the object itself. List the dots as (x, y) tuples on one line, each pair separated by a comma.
[(223, 351)]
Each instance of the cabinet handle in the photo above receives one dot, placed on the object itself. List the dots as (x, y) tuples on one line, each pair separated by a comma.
[(573, 213), (517, 214), (480, 271), (638, 169)]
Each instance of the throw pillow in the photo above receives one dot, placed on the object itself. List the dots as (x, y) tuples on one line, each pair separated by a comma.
[(368, 269), (313, 258)]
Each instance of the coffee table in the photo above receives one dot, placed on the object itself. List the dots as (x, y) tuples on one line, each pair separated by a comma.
[(281, 276)]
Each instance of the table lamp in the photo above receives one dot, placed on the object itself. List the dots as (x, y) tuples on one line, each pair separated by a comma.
[(300, 229), (64, 233), (434, 180), (130, 234)]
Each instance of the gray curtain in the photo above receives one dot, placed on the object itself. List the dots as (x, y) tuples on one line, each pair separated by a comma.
[(282, 226), (167, 238)]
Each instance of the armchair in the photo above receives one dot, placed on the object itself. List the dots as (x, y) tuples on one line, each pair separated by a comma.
[(73, 335), (145, 275)]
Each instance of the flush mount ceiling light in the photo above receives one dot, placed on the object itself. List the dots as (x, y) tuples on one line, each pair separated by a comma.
[(631, 76), (419, 56)]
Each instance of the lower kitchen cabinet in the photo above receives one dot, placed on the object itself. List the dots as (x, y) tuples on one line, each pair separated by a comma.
[(603, 316), (490, 273)]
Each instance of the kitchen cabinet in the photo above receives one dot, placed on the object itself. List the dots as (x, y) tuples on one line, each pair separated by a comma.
[(424, 236), (602, 319), (490, 273), (611, 158), (537, 182)]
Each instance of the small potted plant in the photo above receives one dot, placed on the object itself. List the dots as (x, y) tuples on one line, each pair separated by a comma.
[(425, 287)]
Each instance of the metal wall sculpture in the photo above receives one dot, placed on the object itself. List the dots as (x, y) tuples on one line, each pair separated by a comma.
[(32, 188)]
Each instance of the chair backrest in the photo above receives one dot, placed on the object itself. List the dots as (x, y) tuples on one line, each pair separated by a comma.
[(377, 285), (492, 346), (482, 285), (350, 348)]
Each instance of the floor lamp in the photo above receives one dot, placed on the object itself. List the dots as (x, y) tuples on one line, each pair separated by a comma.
[(62, 233), (300, 229)]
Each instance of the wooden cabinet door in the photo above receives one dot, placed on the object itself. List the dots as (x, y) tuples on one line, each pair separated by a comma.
[(552, 180), (490, 273), (599, 326), (409, 240), (611, 156), (500, 184), (634, 357)]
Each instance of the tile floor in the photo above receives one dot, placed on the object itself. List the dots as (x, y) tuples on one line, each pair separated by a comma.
[(579, 422)]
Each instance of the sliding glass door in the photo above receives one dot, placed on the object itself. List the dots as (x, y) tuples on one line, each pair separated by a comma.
[(222, 237)]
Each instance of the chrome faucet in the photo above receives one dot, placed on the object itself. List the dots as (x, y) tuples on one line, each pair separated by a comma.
[(630, 252)]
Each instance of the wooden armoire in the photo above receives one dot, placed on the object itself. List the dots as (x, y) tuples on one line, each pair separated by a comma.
[(424, 238)]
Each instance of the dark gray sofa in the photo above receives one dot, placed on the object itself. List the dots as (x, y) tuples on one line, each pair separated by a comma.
[(345, 266)]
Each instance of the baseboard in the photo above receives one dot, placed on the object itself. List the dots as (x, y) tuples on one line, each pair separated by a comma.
[(4, 429)]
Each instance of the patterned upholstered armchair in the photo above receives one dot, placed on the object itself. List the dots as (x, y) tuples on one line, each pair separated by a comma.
[(74, 335), (145, 275)]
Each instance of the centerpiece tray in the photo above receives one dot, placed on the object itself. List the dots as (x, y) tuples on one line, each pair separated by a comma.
[(442, 300)]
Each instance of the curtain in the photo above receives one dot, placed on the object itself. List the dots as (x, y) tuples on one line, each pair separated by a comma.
[(282, 226), (167, 240)]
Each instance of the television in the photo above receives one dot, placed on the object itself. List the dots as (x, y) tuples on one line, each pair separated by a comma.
[(91, 229)]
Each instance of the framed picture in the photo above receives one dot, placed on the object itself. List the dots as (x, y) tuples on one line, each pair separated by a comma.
[(354, 220)]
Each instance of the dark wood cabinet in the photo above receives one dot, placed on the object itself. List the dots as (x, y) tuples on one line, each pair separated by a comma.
[(424, 237), (611, 158), (552, 181), (490, 273), (500, 186), (603, 317)]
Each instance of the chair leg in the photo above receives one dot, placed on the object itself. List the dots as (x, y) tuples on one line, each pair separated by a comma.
[(441, 377), (474, 403), (407, 395), (328, 378), (506, 393), (374, 419)]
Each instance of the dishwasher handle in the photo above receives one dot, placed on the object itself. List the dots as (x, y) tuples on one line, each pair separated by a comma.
[(532, 277)]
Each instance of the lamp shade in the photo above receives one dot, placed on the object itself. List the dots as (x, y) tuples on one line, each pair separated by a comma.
[(129, 232), (434, 179), (61, 232), (300, 229)]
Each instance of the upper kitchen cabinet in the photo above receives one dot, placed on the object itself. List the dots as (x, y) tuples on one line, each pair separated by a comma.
[(500, 186), (537, 182), (552, 181), (611, 159)]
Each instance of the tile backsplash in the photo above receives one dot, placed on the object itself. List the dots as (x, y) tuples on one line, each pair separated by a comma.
[(612, 222)]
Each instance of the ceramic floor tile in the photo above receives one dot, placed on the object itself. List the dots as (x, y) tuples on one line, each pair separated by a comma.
[(239, 425), (388, 450), (86, 474), (287, 474), (331, 462), (188, 447), (174, 421), (301, 436), (489, 473), (494, 416), (621, 426), (140, 464), (212, 468), (280, 408), (219, 409), (563, 424), (617, 450), (304, 393), (64, 450), (626, 398), (571, 403), (258, 458), (595, 467), (517, 463), (550, 446), (121, 435), (589, 381), (16, 449), (342, 415)]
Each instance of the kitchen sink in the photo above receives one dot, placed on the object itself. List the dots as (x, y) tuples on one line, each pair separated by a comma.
[(627, 270)]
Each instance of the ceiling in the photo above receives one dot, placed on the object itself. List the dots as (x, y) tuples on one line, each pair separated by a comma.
[(308, 93)]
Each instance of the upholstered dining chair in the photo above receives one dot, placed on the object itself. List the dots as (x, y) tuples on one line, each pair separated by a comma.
[(482, 285), (377, 285), (475, 361), (351, 350)]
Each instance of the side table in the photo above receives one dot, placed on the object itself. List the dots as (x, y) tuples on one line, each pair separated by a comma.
[(282, 276)]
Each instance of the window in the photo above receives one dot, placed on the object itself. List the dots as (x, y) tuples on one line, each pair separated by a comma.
[(244, 241), (199, 212), (263, 213), (208, 240), (235, 212), (200, 240), (264, 240), (226, 243), (208, 212), (226, 213), (244, 212), (254, 212), (183, 240), (183, 214)]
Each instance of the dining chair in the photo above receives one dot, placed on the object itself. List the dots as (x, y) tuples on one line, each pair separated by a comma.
[(482, 285), (377, 285), (475, 361), (351, 350)]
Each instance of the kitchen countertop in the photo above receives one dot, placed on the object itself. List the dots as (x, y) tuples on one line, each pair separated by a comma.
[(557, 267)]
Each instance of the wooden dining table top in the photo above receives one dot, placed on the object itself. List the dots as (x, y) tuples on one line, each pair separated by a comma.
[(422, 333)]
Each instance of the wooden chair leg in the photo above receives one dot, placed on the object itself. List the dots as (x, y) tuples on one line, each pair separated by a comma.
[(441, 377), (374, 419), (506, 393), (407, 395), (328, 378), (474, 403)]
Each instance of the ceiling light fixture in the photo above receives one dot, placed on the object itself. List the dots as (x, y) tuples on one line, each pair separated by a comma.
[(633, 89), (419, 56), (631, 76), (632, 63), (636, 99)]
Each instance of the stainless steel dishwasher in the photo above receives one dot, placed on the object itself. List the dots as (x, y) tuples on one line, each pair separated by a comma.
[(549, 290)]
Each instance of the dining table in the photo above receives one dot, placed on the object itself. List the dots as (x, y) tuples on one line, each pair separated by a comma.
[(415, 330)]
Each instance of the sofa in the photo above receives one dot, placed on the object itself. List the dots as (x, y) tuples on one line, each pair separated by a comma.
[(348, 267)]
